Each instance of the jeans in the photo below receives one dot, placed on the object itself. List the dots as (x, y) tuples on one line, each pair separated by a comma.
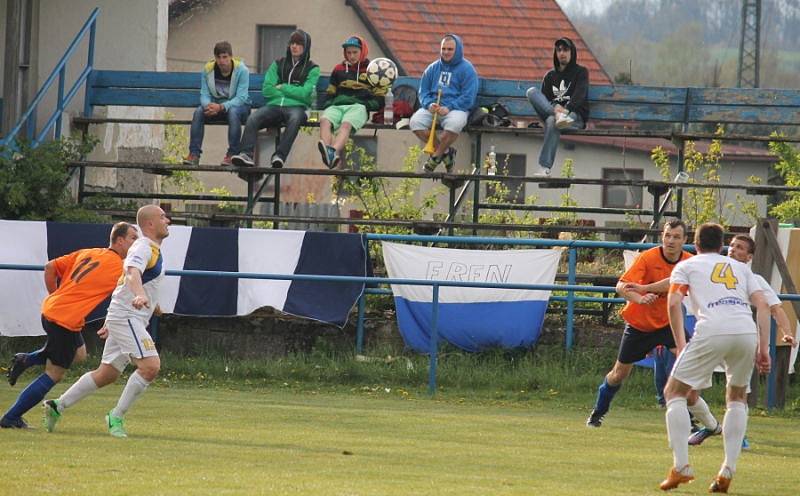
[(235, 117), (552, 134), (273, 116)]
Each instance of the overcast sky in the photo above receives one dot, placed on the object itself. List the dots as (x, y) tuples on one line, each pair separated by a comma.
[(571, 6)]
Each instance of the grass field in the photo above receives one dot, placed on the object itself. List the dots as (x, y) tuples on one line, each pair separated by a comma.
[(224, 439)]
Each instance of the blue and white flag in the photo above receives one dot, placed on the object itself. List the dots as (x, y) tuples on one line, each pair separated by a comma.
[(199, 248), (473, 319)]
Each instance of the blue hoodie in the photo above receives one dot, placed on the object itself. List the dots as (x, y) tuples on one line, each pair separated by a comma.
[(240, 83), (457, 79)]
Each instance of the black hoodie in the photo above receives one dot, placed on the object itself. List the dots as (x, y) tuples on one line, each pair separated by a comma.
[(286, 74), (570, 87)]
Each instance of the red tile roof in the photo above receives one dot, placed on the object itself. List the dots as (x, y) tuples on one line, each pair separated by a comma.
[(504, 39)]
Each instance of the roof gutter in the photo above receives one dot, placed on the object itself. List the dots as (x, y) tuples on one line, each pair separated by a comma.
[(376, 34)]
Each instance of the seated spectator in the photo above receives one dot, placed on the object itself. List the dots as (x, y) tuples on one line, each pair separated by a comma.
[(561, 103), (288, 87), (223, 98), (349, 100), (458, 81)]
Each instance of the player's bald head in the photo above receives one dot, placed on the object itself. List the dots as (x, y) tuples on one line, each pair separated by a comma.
[(147, 213)]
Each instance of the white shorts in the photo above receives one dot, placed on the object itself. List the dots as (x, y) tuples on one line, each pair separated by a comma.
[(735, 352), (454, 121), (127, 339)]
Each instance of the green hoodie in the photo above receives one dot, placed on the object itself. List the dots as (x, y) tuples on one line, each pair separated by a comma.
[(297, 80)]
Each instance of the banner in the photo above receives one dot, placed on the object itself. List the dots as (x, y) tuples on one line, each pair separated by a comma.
[(472, 319), (199, 248)]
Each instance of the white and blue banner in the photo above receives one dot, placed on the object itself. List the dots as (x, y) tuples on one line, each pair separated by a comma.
[(473, 319), (199, 248)]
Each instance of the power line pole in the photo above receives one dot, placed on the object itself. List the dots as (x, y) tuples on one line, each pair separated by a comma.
[(749, 45)]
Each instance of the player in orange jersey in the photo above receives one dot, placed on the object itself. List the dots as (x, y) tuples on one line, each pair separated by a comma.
[(77, 283)]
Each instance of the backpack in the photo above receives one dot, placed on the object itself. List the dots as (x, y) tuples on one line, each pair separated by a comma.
[(494, 115)]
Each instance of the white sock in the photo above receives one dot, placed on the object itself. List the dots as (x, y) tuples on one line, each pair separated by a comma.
[(734, 426), (702, 413), (135, 387), (82, 388), (679, 426)]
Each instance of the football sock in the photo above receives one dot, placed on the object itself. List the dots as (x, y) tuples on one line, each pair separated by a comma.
[(678, 429), (30, 396), (135, 387), (82, 388), (605, 393), (734, 426), (702, 413)]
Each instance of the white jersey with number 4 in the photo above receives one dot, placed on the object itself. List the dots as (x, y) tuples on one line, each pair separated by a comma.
[(144, 255), (719, 288)]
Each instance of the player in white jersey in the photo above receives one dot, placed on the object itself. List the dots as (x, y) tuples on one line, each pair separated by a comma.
[(721, 290), (125, 330)]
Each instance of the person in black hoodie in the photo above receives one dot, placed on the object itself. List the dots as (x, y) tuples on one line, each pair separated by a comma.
[(289, 85), (561, 102)]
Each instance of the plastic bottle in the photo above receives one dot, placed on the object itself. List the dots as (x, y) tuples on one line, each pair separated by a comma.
[(491, 165), (313, 114), (388, 109)]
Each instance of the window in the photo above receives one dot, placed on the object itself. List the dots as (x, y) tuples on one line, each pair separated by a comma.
[(513, 191), (272, 42), (623, 196)]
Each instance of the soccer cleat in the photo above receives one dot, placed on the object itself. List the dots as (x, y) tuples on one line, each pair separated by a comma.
[(720, 484), (563, 120), (227, 161), (676, 478), (594, 420), (17, 367), (191, 159), (7, 423), (51, 414), (542, 172), (115, 425), (243, 160), (698, 437), (277, 161)]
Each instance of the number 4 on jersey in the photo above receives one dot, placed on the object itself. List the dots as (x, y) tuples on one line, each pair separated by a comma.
[(723, 274)]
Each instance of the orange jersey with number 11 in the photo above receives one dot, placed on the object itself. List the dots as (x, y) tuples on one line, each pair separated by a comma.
[(87, 278)]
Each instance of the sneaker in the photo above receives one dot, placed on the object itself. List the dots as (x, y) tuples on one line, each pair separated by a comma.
[(432, 164), (243, 160), (51, 414), (676, 478), (594, 420), (745, 443), (277, 161), (698, 437), (542, 172), (191, 159), (449, 159), (226, 161), (563, 120), (17, 367), (336, 160), (7, 423), (323, 152), (115, 425), (720, 484)]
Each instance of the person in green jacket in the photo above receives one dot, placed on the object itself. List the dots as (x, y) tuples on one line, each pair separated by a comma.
[(288, 87)]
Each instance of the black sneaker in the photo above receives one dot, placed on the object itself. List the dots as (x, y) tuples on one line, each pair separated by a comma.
[(243, 160), (449, 159), (594, 420), (432, 164), (17, 367), (6, 423), (277, 161), (323, 152)]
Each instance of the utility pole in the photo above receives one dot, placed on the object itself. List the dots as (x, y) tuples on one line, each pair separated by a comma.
[(749, 45)]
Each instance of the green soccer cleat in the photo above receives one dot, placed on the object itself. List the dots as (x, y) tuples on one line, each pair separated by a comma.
[(51, 414), (115, 425)]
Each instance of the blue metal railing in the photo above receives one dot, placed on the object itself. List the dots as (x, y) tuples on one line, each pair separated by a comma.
[(28, 119)]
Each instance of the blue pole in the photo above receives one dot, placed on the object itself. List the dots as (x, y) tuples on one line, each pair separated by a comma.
[(60, 104), (434, 344), (773, 374), (87, 105), (571, 270)]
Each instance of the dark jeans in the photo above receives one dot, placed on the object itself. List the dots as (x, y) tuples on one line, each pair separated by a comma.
[(235, 117), (273, 116)]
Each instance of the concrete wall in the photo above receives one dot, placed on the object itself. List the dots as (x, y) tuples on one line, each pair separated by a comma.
[(3, 5)]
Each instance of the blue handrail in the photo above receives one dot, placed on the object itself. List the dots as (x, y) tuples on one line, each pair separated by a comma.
[(63, 99)]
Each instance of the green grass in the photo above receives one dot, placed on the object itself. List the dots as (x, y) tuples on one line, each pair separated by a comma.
[(201, 439)]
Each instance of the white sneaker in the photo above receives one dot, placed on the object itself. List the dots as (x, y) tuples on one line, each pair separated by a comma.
[(563, 120), (542, 172)]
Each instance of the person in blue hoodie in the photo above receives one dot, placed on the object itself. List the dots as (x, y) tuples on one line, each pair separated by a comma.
[(224, 83), (458, 81)]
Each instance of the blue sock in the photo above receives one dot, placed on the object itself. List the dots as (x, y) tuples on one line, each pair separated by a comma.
[(35, 358), (605, 393), (30, 396)]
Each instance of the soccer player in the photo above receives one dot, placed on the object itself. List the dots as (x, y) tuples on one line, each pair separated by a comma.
[(132, 304), (86, 278), (644, 285), (721, 290)]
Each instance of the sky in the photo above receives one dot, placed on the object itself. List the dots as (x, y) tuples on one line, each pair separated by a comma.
[(571, 6)]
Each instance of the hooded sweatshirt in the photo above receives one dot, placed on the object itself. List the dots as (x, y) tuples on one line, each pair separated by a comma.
[(348, 83), (237, 91), (568, 88), (457, 79), (298, 80)]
